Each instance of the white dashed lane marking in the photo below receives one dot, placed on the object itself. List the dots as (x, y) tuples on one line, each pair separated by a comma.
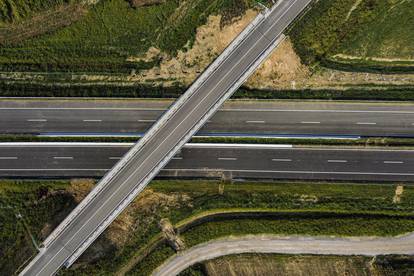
[(310, 122), (227, 158), (282, 160), (63, 157), (37, 120)]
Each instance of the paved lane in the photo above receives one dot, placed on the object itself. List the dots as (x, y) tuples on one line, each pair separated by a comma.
[(243, 117), (209, 160)]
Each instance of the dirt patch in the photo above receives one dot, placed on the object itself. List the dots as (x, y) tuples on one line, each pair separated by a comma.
[(171, 235), (281, 68), (141, 3), (211, 39), (147, 204), (79, 188), (398, 193)]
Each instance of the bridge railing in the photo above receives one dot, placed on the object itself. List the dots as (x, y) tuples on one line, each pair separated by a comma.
[(154, 129)]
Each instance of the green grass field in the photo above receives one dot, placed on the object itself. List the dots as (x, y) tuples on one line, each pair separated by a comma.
[(17, 10), (38, 203), (112, 31), (42, 202), (361, 30), (388, 38)]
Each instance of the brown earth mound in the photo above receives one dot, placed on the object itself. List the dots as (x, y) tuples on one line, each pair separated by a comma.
[(140, 3)]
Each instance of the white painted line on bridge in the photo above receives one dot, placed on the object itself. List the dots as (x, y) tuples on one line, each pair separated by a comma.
[(115, 158), (337, 161), (177, 158), (92, 120), (146, 121), (8, 158), (282, 160), (393, 162)]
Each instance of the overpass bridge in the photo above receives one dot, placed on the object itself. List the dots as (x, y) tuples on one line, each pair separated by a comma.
[(164, 139)]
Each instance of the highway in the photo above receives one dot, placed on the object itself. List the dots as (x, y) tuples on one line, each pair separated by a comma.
[(132, 116), (143, 162), (366, 246), (215, 161)]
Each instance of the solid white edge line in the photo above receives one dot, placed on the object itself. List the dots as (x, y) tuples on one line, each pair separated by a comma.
[(293, 172), (105, 144), (221, 170), (224, 109)]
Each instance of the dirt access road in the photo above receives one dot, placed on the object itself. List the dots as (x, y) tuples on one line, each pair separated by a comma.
[(367, 246)]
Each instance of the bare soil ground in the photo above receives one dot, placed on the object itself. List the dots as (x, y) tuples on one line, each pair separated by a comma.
[(141, 3), (398, 193), (148, 204), (282, 70)]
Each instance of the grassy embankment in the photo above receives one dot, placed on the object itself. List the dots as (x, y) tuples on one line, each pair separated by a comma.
[(295, 197), (179, 200), (358, 35)]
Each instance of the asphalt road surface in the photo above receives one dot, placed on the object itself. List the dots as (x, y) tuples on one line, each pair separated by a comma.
[(287, 245), (209, 160), (236, 117), (143, 166)]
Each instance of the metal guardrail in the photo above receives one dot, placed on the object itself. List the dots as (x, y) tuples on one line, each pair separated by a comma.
[(181, 100)]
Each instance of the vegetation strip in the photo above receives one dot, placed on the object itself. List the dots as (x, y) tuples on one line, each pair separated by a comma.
[(370, 92), (363, 142)]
